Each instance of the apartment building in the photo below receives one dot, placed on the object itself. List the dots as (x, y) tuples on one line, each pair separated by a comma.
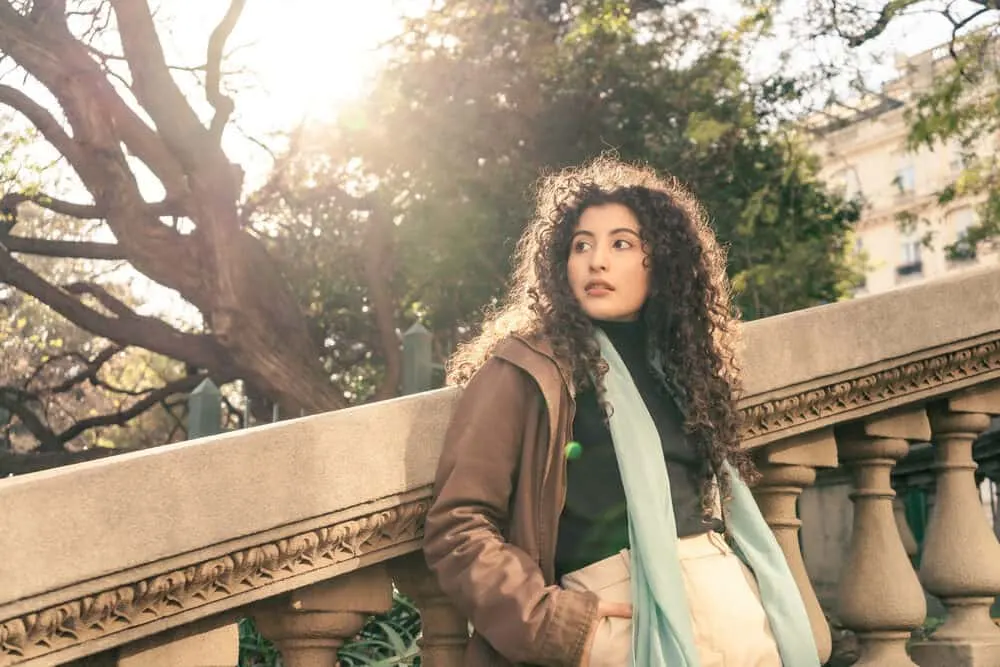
[(904, 230)]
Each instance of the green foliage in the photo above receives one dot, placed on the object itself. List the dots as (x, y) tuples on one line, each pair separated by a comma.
[(255, 649), (481, 97), (40, 352), (386, 640), (961, 111), (478, 98)]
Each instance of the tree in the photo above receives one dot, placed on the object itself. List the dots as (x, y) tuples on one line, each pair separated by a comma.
[(408, 207), (66, 396), (962, 104), (103, 122), (482, 96)]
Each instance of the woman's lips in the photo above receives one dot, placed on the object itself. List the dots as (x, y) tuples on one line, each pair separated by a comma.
[(598, 290)]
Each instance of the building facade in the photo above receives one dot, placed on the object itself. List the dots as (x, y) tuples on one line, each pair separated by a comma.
[(904, 231)]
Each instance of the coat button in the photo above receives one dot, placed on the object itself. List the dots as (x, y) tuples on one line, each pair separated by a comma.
[(573, 450)]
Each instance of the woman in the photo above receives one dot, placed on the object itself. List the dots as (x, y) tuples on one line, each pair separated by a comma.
[(577, 516)]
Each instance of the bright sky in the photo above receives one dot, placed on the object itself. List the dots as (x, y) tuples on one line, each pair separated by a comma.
[(307, 57), (295, 58), (918, 31)]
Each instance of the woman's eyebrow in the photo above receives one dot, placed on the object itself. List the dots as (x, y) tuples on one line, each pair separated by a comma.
[(625, 229), (617, 230)]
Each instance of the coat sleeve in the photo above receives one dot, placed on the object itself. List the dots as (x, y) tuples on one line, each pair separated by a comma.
[(498, 586)]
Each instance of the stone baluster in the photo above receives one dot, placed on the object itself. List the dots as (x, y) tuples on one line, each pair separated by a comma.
[(309, 625), (902, 525), (787, 468), (445, 630), (961, 558), (879, 596)]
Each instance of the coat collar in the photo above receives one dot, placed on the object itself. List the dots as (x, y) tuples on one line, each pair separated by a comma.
[(543, 346)]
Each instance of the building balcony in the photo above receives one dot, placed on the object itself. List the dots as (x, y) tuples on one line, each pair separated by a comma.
[(149, 558)]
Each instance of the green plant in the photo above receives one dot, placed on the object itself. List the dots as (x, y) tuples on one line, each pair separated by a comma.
[(931, 623), (386, 640), (255, 649)]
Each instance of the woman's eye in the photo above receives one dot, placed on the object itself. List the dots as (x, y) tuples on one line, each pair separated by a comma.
[(581, 246), (622, 244)]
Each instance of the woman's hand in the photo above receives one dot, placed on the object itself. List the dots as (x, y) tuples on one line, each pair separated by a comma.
[(605, 609)]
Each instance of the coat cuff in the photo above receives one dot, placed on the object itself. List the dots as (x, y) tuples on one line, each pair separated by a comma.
[(574, 616)]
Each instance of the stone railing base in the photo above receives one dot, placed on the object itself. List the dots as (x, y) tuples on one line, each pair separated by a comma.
[(955, 654), (216, 648)]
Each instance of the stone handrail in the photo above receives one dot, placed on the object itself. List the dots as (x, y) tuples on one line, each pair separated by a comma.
[(132, 545), (286, 519)]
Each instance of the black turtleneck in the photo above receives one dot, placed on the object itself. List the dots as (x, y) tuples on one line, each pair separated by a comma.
[(593, 525)]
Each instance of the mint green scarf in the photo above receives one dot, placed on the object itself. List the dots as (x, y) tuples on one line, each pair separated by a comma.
[(661, 620)]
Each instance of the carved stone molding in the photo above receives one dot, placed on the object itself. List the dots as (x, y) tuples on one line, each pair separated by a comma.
[(56, 628), (849, 396)]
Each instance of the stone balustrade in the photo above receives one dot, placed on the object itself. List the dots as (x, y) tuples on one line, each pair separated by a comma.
[(148, 558)]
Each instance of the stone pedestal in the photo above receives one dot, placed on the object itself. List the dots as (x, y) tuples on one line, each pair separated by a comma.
[(776, 494), (961, 559), (445, 630), (311, 624), (880, 598)]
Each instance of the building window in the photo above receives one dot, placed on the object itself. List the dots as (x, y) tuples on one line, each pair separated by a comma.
[(906, 179), (961, 249), (910, 262)]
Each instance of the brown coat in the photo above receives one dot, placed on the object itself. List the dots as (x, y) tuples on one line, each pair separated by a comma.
[(490, 534)]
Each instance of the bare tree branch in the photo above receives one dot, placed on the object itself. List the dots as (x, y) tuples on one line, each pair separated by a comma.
[(143, 142), (44, 121), (223, 104), (89, 373), (74, 210), (276, 179), (10, 202), (113, 304), (100, 20), (202, 351), (154, 397), (17, 402), (62, 64), (52, 360), (106, 57), (889, 11), (256, 323), (956, 27), (92, 106), (178, 423), (51, 451), (63, 249), (155, 88)]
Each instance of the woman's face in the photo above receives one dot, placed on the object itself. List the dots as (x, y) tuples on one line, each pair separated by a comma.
[(607, 265)]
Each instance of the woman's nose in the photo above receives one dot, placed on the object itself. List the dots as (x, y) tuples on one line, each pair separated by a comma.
[(599, 259)]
